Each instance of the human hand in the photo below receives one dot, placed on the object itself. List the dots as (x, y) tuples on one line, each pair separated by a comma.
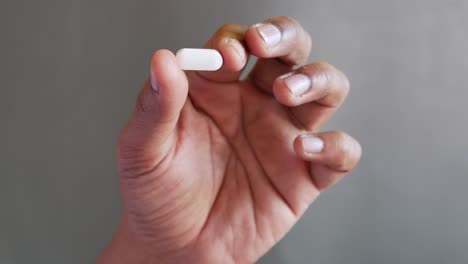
[(214, 169)]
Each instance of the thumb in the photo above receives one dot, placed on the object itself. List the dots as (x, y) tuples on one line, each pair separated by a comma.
[(151, 132)]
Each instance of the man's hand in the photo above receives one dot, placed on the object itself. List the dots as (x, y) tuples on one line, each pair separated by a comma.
[(214, 169)]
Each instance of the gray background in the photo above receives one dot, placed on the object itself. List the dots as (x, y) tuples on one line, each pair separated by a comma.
[(70, 72)]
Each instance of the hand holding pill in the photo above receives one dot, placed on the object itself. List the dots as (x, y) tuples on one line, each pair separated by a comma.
[(217, 169)]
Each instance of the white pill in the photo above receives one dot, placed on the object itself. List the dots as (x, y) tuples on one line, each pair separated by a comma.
[(199, 59)]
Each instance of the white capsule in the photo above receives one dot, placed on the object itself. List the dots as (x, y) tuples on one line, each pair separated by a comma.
[(199, 59)]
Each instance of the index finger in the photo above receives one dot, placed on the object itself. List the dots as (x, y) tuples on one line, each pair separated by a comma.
[(281, 44)]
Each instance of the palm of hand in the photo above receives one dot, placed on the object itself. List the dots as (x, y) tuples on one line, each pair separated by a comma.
[(234, 168)]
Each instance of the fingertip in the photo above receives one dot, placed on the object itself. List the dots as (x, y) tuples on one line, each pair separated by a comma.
[(255, 42), (234, 55), (164, 64), (342, 152), (160, 55), (166, 70)]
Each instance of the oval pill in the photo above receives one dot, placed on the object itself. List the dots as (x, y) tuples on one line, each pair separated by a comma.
[(199, 59)]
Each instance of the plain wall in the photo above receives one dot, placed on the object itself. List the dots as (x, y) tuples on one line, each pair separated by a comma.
[(70, 72)]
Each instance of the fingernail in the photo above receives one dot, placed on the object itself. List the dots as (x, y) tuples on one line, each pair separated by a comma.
[(298, 84), (312, 144), (154, 82), (237, 46), (270, 34)]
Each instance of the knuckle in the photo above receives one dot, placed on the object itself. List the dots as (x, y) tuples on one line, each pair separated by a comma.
[(317, 68), (141, 105), (300, 50), (145, 100), (323, 67), (333, 83), (126, 147)]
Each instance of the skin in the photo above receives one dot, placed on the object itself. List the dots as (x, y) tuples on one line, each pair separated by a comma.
[(213, 169)]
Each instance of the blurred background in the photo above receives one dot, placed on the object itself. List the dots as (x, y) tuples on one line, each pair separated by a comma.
[(70, 72)]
